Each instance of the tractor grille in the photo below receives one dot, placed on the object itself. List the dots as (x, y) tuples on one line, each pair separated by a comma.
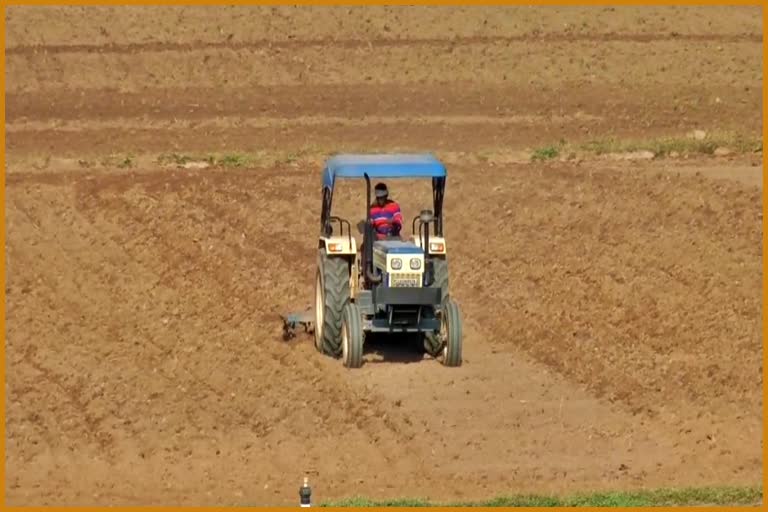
[(405, 280)]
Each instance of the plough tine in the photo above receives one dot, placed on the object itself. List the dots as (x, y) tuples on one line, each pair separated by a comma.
[(292, 321)]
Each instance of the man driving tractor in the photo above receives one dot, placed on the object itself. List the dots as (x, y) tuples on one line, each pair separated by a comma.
[(385, 214)]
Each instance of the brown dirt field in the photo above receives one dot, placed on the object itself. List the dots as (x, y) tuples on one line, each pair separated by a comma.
[(612, 309)]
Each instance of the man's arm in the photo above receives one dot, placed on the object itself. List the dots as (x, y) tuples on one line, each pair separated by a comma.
[(397, 219)]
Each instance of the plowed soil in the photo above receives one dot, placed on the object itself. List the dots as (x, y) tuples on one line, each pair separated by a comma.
[(612, 308)]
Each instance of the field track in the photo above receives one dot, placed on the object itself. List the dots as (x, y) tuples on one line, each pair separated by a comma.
[(612, 308)]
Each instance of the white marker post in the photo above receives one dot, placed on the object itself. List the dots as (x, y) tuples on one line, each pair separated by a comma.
[(305, 493)]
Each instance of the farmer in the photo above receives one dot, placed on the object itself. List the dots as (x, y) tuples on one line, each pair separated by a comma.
[(385, 214)]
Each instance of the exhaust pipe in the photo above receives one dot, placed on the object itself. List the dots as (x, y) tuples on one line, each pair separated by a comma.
[(368, 236), (426, 217)]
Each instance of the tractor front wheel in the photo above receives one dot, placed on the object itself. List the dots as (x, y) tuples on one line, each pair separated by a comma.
[(440, 276), (351, 336), (451, 334), (432, 341)]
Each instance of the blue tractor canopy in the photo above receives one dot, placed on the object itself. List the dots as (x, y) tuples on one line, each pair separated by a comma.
[(384, 166), (390, 166)]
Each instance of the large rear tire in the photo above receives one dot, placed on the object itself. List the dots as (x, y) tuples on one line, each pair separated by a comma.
[(440, 273), (352, 337), (331, 295), (451, 335)]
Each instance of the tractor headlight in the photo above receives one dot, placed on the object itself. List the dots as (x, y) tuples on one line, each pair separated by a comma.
[(415, 263), (397, 263), (436, 247)]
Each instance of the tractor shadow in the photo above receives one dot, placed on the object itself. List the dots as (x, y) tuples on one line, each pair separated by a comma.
[(393, 348)]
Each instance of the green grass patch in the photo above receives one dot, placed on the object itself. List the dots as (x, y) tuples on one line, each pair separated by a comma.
[(176, 158), (233, 160), (545, 153), (213, 160), (119, 161), (711, 496)]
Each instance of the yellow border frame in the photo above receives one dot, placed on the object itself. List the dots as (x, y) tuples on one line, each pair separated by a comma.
[(397, 2)]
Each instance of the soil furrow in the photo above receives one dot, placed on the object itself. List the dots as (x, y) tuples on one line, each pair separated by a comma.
[(157, 46)]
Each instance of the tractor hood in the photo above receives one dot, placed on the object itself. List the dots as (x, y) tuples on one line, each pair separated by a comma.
[(396, 247), (397, 256)]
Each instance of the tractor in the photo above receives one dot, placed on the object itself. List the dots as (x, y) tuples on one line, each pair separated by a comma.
[(384, 286)]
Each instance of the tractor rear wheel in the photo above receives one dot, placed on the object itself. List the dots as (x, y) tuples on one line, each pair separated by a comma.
[(440, 275), (331, 294), (432, 342), (451, 335), (351, 336)]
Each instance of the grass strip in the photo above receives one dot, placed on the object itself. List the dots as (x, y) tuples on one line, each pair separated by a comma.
[(704, 144), (695, 496)]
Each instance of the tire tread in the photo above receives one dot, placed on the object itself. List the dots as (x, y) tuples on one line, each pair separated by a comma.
[(336, 290)]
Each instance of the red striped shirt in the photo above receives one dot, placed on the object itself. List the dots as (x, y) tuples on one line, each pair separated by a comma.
[(385, 217)]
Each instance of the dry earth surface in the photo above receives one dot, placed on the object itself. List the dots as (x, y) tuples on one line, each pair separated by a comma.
[(612, 308)]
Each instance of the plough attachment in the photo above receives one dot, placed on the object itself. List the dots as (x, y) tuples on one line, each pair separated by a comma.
[(292, 321)]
